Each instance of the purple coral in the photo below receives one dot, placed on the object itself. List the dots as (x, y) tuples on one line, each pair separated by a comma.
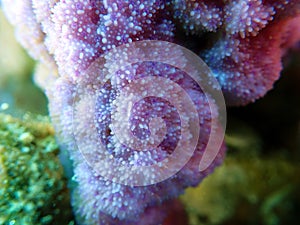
[(106, 195), (248, 40), (79, 32), (251, 37), (198, 16)]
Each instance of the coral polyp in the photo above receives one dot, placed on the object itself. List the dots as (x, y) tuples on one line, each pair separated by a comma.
[(248, 63), (139, 116), (133, 134)]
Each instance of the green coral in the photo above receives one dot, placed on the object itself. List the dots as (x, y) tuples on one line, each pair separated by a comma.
[(32, 185)]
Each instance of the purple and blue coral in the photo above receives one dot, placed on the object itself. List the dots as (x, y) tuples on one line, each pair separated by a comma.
[(242, 41)]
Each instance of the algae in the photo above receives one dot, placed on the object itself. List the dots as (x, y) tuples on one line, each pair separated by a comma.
[(32, 184)]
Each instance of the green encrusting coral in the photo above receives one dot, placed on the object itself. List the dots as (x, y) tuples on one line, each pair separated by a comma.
[(32, 183)]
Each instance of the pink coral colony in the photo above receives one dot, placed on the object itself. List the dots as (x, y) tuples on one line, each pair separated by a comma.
[(242, 41)]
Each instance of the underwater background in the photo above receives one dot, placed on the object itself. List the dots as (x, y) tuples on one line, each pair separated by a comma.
[(258, 183)]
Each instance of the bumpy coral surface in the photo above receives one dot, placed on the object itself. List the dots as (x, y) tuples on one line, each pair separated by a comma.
[(90, 119), (246, 58), (251, 37), (32, 185), (248, 39)]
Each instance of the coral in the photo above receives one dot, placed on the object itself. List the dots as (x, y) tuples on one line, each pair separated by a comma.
[(198, 16), (258, 182), (85, 30), (97, 195), (254, 191), (32, 185), (29, 33), (247, 17), (248, 40), (246, 58), (243, 59), (241, 55), (248, 67), (28, 30)]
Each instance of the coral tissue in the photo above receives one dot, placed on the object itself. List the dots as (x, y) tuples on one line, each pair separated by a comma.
[(242, 41)]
